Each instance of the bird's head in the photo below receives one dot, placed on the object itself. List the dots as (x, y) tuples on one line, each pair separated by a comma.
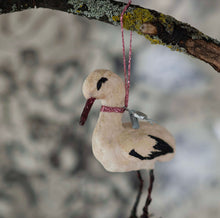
[(104, 85)]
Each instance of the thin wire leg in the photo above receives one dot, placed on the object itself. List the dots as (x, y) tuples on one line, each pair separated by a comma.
[(149, 199), (134, 209)]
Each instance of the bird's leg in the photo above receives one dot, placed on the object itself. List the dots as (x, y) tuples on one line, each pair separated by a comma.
[(149, 199), (141, 182)]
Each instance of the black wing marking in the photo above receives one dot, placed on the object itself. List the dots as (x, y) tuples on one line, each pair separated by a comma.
[(99, 83), (135, 154), (162, 147)]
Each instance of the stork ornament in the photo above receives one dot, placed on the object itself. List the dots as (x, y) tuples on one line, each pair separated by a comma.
[(118, 146)]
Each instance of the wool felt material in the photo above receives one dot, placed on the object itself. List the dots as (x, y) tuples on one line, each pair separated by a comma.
[(116, 145)]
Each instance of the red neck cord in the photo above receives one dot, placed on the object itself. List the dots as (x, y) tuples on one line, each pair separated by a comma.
[(126, 75), (112, 109)]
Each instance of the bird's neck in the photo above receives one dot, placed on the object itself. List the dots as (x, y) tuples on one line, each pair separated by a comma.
[(110, 121), (113, 102)]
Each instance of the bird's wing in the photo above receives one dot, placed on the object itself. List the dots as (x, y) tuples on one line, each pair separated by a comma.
[(137, 140), (160, 148), (143, 146)]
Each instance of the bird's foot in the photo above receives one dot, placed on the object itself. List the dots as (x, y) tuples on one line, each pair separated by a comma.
[(147, 215), (133, 216)]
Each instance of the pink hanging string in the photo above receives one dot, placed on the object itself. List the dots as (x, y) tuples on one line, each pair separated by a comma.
[(126, 75)]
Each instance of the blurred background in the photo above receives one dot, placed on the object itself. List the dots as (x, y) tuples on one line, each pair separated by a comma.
[(47, 169)]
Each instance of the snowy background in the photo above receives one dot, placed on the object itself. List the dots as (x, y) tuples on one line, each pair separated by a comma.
[(47, 169)]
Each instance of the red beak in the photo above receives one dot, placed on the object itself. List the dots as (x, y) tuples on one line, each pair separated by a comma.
[(86, 110)]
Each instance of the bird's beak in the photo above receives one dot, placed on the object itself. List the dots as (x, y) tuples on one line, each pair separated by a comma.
[(86, 110)]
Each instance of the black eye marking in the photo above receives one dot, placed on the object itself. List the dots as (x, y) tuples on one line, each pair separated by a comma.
[(99, 83)]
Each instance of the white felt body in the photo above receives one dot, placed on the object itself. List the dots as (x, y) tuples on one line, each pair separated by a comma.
[(112, 141), (111, 144)]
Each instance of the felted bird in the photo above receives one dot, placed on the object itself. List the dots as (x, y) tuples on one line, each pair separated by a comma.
[(116, 145)]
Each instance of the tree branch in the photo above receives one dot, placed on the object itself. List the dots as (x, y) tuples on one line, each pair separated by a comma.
[(154, 26)]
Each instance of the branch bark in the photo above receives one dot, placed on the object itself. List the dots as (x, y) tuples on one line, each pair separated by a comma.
[(154, 26)]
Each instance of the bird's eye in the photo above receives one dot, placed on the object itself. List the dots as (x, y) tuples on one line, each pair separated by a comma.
[(99, 83)]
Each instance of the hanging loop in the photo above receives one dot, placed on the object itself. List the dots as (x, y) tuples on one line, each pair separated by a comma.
[(126, 75)]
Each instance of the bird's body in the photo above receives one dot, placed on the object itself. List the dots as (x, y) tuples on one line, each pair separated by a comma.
[(113, 143), (116, 145)]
